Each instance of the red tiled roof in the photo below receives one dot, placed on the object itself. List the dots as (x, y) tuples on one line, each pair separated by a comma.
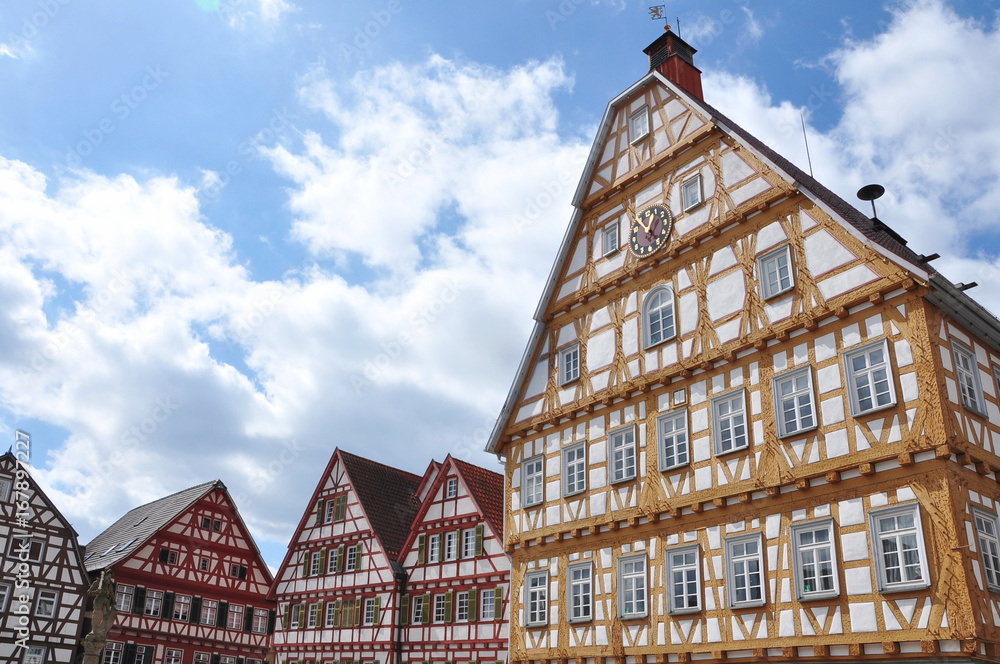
[(388, 496), (486, 488)]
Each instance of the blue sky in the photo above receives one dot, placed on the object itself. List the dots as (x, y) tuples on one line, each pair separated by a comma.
[(235, 234)]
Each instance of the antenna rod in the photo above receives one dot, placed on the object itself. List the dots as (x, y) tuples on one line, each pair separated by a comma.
[(806, 139)]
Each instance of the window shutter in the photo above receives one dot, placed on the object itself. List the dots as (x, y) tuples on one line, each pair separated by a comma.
[(248, 619), (378, 610), (271, 619), (357, 611), (421, 549), (222, 615), (216, 658), (319, 615), (139, 602), (164, 555), (322, 561), (357, 555), (243, 572), (284, 617), (195, 616), (441, 539), (336, 613), (473, 598), (480, 531), (426, 609), (449, 606), (303, 608), (340, 558), (305, 563), (498, 603), (168, 605), (240, 660), (128, 656), (319, 512), (404, 610), (340, 507)]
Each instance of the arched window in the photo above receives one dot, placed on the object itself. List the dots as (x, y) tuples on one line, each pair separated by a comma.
[(659, 321)]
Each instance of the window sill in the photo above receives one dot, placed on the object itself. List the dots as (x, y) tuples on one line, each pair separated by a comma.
[(622, 480), (798, 432), (635, 616), (719, 453), (747, 605), (651, 346), (683, 612), (904, 587), (829, 594), (667, 469), (773, 296), (877, 409)]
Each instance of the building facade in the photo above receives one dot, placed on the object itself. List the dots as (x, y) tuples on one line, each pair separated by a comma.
[(456, 605), (190, 584), (750, 421), (43, 583)]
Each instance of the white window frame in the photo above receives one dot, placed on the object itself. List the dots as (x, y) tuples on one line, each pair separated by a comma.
[(580, 590), (729, 398), (666, 334), (144, 654), (35, 655), (182, 608), (884, 585), (450, 546), (227, 659), (369, 613), (469, 543), (536, 598), (50, 596), (462, 606), (173, 656), (4, 596), (154, 603), (970, 387), (487, 608), (735, 559), (124, 596), (439, 608), (16, 543), (418, 610), (5, 485), (775, 257), (635, 581), (852, 375), (235, 617), (205, 564), (533, 481), (676, 440), (569, 364), (692, 183), (201, 658), (801, 554), (623, 441), (610, 238), (690, 572), (988, 536), (351, 558), (574, 465), (638, 125), (795, 397), (209, 612), (451, 488), (112, 652), (434, 548)]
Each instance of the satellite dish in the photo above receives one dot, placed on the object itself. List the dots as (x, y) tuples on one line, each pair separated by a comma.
[(870, 192)]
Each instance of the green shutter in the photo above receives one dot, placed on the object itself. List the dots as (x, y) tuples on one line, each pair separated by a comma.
[(498, 603), (426, 609), (358, 603), (340, 507), (340, 558), (322, 561), (284, 618), (473, 599), (421, 549), (441, 538), (303, 612), (378, 610), (449, 606), (319, 512), (358, 554), (305, 564), (347, 613), (320, 623), (458, 544), (480, 531), (336, 613), (404, 610)]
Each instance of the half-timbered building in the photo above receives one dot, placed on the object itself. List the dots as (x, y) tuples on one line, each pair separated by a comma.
[(456, 604), (190, 584), (338, 588), (43, 583), (750, 422)]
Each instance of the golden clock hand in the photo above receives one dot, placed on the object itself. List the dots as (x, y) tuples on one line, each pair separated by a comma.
[(645, 227)]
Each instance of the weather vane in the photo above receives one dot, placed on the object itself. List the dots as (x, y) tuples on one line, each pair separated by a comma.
[(658, 13)]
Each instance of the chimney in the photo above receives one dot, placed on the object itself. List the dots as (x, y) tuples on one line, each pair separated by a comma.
[(674, 58)]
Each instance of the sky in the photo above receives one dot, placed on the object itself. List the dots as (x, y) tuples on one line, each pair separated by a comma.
[(237, 234)]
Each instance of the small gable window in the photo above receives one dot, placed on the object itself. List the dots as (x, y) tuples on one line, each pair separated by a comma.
[(452, 487), (638, 124), (609, 238), (691, 196), (569, 364), (659, 320), (776, 272)]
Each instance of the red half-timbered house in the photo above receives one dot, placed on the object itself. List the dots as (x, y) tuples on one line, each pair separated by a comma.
[(456, 605), (338, 588), (191, 586), (43, 585)]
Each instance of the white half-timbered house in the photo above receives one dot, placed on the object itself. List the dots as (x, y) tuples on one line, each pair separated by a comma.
[(190, 584), (43, 583), (338, 587), (751, 423), (456, 605)]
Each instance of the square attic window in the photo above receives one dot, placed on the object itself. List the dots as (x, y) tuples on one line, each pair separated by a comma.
[(638, 124)]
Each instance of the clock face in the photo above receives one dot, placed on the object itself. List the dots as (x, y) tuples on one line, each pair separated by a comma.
[(650, 230)]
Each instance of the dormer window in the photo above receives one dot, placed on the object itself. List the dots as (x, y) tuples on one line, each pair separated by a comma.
[(638, 125)]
